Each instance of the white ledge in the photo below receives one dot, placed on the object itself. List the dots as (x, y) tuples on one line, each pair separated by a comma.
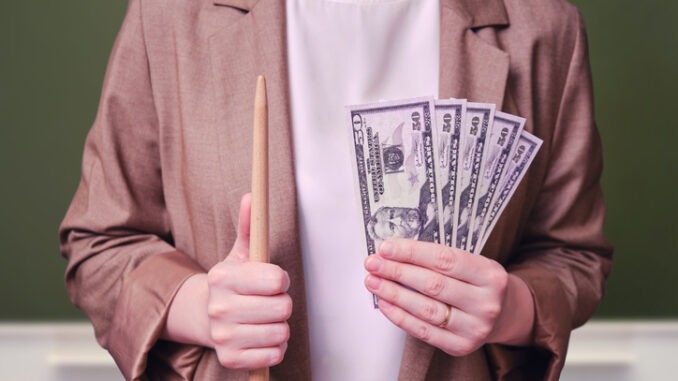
[(73, 360), (602, 350)]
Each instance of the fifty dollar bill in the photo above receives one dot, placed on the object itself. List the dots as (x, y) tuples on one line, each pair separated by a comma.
[(475, 127), (394, 166), (503, 135), (525, 151), (449, 117)]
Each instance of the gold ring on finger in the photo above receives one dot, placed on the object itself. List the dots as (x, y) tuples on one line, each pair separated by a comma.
[(448, 312)]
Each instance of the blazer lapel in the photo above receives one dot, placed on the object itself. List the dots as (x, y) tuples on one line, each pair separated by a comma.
[(253, 45), (470, 68)]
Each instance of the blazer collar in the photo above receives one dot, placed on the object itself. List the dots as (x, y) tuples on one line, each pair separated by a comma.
[(470, 67), (480, 13)]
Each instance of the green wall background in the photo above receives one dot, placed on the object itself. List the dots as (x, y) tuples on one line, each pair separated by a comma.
[(52, 61)]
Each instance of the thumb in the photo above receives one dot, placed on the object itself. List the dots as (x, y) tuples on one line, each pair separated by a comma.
[(241, 247)]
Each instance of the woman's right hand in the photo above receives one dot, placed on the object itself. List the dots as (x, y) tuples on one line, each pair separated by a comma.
[(248, 305), (240, 308)]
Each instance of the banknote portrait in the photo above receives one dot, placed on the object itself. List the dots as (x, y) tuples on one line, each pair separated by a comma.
[(403, 222)]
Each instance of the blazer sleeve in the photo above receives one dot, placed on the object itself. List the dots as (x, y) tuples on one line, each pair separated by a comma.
[(123, 270), (563, 257)]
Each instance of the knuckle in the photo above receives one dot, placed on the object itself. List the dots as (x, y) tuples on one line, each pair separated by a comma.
[(227, 360), (429, 311), (410, 251), (498, 278), (466, 347), (482, 332), (286, 281), (221, 336), (393, 294), (215, 276), (462, 348), (277, 356), (493, 311), (490, 311), (435, 285), (284, 333), (224, 361), (452, 351), (445, 260), (396, 272), (423, 332), (279, 333), (398, 319), (284, 308), (278, 281), (216, 310)]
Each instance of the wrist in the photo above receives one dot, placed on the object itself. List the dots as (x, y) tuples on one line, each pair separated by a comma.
[(515, 322), (187, 321)]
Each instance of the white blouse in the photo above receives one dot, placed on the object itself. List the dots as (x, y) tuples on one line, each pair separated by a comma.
[(344, 52)]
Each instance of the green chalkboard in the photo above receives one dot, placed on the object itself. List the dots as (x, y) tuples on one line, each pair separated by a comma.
[(52, 61), (53, 57), (634, 55)]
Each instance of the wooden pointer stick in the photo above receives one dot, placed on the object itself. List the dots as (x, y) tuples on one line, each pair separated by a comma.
[(259, 219)]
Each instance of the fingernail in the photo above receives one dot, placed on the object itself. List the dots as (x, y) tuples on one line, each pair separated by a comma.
[(373, 282), (387, 249), (372, 263)]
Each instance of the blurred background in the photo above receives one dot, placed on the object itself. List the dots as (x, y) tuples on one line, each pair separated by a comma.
[(52, 61)]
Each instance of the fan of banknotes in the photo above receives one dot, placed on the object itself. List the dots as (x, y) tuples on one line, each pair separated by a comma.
[(436, 170)]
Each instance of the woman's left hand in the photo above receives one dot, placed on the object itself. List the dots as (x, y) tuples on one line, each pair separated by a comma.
[(446, 297)]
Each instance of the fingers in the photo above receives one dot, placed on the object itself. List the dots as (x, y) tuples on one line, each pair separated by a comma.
[(449, 342), (426, 309), (429, 310), (250, 358), (239, 309), (417, 281), (250, 332), (252, 336), (248, 305), (454, 263), (241, 247), (428, 282), (249, 278), (248, 308)]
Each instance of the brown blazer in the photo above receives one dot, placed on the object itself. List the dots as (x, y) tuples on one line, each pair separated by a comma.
[(167, 161)]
